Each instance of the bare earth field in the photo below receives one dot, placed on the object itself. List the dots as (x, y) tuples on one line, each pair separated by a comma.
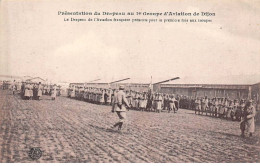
[(68, 130)]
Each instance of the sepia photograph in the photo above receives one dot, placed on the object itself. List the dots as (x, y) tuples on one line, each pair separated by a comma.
[(129, 81)]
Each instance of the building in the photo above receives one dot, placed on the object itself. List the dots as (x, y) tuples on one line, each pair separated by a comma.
[(233, 91), (209, 90)]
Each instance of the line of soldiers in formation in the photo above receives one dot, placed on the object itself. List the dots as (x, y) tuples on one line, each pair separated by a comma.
[(156, 102), (33, 91), (143, 101)]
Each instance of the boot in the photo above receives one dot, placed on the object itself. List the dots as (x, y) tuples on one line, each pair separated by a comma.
[(120, 125)]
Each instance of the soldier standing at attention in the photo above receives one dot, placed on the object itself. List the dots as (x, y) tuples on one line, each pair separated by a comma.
[(39, 91), (27, 91), (119, 106), (234, 110), (177, 102), (54, 92), (159, 103), (203, 105), (105, 96), (34, 91), (206, 104), (109, 96), (248, 119), (13, 87), (30, 91), (198, 105)]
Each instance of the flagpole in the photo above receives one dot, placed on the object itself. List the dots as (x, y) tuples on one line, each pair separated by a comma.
[(152, 83)]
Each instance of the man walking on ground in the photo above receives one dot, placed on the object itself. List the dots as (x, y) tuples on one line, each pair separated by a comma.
[(119, 106)]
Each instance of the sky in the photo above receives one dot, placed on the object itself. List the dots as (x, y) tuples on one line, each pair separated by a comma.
[(35, 41)]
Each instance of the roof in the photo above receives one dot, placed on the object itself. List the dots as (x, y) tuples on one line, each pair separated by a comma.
[(36, 79), (207, 86)]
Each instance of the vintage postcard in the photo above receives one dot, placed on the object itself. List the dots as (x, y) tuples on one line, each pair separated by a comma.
[(129, 81)]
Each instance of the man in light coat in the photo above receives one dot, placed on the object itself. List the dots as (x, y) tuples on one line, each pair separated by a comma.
[(119, 106), (248, 119)]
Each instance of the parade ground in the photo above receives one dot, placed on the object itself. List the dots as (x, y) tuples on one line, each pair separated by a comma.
[(68, 130)]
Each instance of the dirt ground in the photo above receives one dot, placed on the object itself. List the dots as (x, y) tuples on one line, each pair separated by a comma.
[(68, 130)]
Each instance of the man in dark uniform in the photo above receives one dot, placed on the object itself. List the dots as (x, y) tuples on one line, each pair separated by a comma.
[(177, 103)]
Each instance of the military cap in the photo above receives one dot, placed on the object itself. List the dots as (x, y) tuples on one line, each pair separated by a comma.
[(121, 87)]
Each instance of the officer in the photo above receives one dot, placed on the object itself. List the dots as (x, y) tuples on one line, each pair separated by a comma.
[(119, 106)]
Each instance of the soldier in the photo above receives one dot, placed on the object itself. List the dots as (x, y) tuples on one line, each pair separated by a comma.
[(39, 91), (229, 109), (45, 90), (240, 110), (27, 91), (159, 103), (166, 102), (193, 103), (145, 101), (248, 119), (105, 96), (149, 106), (135, 100), (13, 87), (54, 92), (129, 97), (211, 107), (218, 106), (72, 94), (206, 101), (34, 91), (22, 90), (112, 96), (102, 100), (226, 104), (119, 106), (198, 105), (221, 108), (138, 100), (177, 102), (203, 105), (234, 110), (155, 99), (109, 96), (30, 91), (48, 90), (171, 104), (18, 87)]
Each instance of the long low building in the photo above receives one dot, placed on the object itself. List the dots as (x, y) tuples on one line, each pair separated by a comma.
[(209, 90), (199, 90)]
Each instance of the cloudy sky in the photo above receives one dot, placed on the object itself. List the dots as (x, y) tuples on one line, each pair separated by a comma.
[(35, 41)]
